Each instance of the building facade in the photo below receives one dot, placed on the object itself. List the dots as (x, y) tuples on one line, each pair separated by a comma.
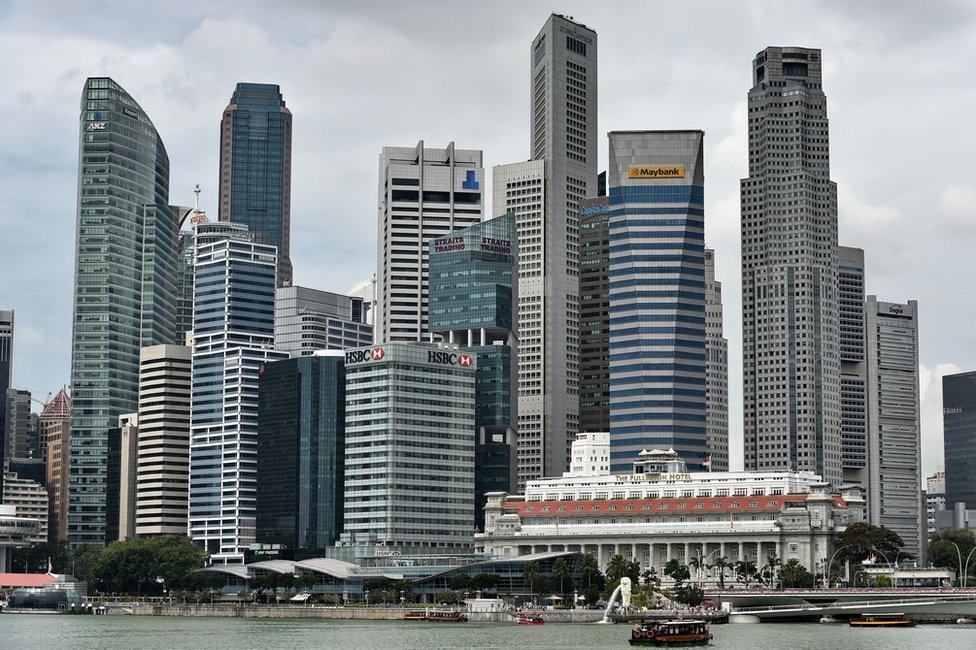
[(661, 512), (716, 372), (6, 372), (410, 447), (124, 285), (18, 425), (233, 338), (853, 366), (29, 499), (791, 349), (307, 320), (658, 363), (591, 454), (163, 456), (55, 425), (424, 193), (255, 168), (894, 429), (473, 304), (300, 452), (594, 275), (959, 434)]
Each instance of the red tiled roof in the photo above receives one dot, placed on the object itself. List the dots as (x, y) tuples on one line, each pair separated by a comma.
[(12, 580), (658, 506), (59, 407)]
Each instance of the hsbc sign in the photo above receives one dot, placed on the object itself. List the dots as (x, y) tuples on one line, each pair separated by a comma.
[(372, 354), (452, 358)]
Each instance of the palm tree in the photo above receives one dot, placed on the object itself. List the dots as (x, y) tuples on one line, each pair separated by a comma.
[(721, 563), (695, 566), (531, 574), (772, 562), (562, 573), (746, 569)]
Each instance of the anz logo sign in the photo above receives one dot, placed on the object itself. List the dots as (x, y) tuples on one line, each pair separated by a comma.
[(470, 181)]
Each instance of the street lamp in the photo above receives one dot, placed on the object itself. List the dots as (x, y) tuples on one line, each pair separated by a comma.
[(965, 572), (826, 580), (701, 582), (959, 555)]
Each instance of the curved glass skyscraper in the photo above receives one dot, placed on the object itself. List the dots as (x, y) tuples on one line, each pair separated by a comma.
[(125, 284)]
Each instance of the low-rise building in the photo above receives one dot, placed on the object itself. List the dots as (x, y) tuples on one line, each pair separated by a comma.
[(662, 512), (590, 455), (29, 500)]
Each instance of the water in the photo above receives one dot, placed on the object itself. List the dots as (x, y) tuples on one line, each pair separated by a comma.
[(26, 632)]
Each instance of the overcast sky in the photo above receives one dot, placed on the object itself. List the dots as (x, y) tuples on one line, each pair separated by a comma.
[(360, 75)]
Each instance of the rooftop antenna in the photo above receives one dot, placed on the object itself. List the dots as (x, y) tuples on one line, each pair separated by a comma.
[(196, 191)]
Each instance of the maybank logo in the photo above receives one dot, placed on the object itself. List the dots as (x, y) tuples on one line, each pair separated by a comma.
[(657, 171)]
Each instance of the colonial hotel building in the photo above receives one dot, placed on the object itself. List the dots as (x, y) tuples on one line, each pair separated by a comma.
[(661, 511)]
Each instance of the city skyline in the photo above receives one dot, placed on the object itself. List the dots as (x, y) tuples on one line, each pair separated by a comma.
[(873, 214)]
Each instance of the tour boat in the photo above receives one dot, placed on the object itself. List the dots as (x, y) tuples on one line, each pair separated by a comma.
[(882, 620), (415, 615), (530, 618), (670, 633), (447, 616)]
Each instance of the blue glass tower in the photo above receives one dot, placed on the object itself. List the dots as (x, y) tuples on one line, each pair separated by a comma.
[(657, 295), (473, 299), (255, 168)]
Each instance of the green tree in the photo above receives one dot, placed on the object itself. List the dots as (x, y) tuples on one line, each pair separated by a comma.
[(619, 567), (690, 594), (85, 562), (943, 554), (695, 565), (772, 563), (794, 575), (677, 571), (649, 576), (460, 582), (486, 582), (861, 540), (562, 574), (721, 563), (591, 575), (746, 570), (531, 574)]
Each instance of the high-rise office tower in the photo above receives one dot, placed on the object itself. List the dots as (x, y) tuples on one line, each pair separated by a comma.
[(473, 304), (853, 366), (18, 424), (791, 349), (894, 442), (366, 291), (658, 364), (184, 303), (125, 284), (594, 274), (300, 452), (717, 371), (120, 472), (163, 455), (423, 194), (409, 461), (545, 194), (233, 338), (255, 168), (6, 368), (307, 320), (54, 423)]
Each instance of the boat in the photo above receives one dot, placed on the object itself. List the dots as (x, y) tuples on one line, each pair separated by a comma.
[(446, 616), (415, 615), (882, 620), (671, 633), (530, 618)]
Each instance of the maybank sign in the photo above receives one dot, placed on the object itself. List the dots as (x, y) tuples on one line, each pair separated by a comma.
[(657, 171)]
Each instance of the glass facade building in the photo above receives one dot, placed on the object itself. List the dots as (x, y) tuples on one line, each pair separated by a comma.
[(255, 168), (307, 320), (124, 286), (410, 447), (6, 366), (959, 434), (657, 296), (595, 314), (301, 416), (233, 338), (473, 304)]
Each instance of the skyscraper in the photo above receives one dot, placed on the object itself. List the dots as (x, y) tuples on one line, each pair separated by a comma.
[(894, 441), (853, 366), (54, 424), (959, 434), (163, 456), (658, 361), (791, 350), (594, 374), (255, 168), (424, 194), (6, 367), (233, 337), (18, 424), (125, 284), (717, 371), (409, 460), (545, 194), (307, 320), (473, 304), (300, 452)]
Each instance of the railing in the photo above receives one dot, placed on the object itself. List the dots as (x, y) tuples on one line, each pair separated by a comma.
[(856, 604)]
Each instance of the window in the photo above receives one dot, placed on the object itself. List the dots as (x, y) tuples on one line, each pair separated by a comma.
[(575, 46)]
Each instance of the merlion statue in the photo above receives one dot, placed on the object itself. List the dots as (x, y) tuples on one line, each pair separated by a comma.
[(625, 591)]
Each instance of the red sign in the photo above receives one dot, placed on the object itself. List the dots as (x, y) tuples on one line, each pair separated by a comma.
[(377, 353), (465, 360)]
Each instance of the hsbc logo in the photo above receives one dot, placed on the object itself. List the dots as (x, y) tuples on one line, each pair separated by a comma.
[(455, 359), (373, 354)]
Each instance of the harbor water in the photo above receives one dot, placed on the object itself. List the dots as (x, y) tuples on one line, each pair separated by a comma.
[(29, 632)]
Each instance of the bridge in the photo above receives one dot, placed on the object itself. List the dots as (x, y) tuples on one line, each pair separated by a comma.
[(959, 605)]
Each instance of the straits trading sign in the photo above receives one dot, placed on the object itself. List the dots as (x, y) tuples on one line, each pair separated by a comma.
[(656, 171)]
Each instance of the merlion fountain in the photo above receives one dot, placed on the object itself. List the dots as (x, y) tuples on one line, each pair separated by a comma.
[(623, 589)]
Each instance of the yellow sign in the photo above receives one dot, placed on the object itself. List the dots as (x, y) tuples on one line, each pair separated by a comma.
[(657, 171)]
